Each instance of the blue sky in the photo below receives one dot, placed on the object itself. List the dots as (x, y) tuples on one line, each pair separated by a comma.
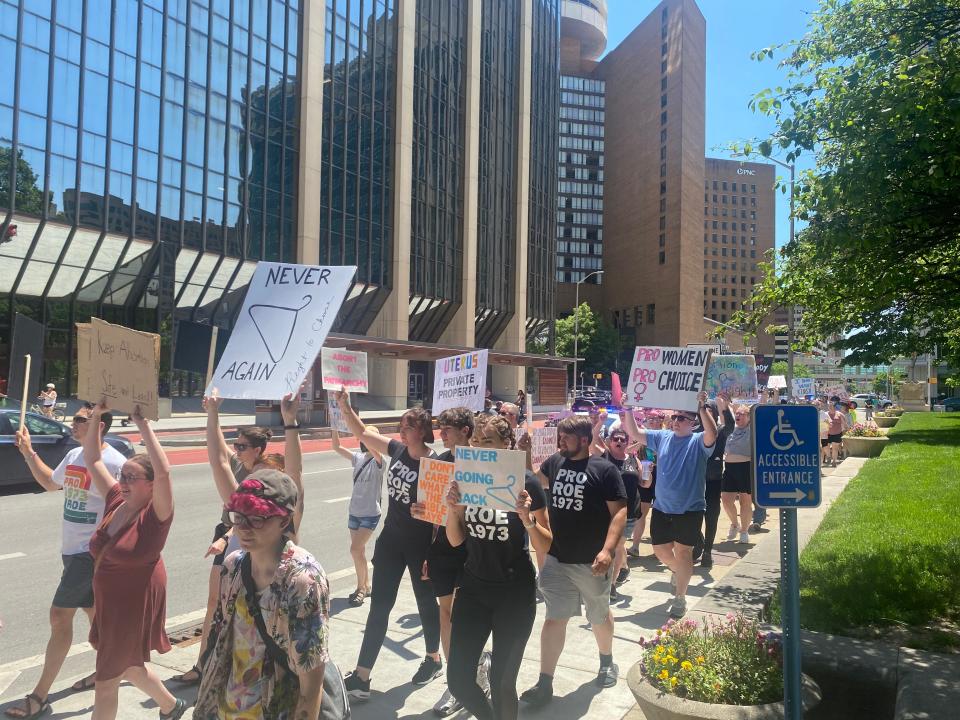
[(735, 28)]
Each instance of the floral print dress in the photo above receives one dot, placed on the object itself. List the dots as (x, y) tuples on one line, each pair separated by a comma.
[(239, 679)]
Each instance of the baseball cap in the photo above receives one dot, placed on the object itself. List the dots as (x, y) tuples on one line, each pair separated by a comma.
[(51, 385), (265, 492)]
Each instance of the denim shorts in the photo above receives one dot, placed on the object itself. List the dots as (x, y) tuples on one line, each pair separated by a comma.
[(369, 522)]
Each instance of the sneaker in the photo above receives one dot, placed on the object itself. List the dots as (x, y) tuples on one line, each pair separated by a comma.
[(614, 595), (357, 689), (633, 552), (744, 538), (678, 608), (622, 576), (732, 532), (447, 704), (429, 669), (483, 673), (706, 561), (608, 676), (537, 696)]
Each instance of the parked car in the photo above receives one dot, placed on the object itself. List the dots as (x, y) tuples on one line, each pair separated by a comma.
[(951, 404), (878, 402), (51, 439)]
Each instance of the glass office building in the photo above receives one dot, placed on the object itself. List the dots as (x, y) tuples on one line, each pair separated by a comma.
[(153, 151)]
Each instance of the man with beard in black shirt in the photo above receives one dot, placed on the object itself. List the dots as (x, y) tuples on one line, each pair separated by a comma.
[(587, 506)]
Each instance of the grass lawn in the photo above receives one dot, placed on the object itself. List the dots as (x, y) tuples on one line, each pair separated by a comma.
[(885, 561)]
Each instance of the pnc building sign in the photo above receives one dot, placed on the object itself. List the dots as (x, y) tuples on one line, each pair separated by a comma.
[(744, 171)]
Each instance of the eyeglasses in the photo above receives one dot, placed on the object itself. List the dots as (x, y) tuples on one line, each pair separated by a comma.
[(79, 420), (742, 414), (240, 447), (126, 479), (618, 439), (677, 418), (251, 521)]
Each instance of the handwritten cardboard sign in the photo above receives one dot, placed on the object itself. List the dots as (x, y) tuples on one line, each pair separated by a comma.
[(802, 387), (735, 375), (285, 318), (460, 381), (490, 478), (839, 391), (335, 415), (777, 381), (666, 377), (119, 364), (544, 444), (432, 487), (343, 370)]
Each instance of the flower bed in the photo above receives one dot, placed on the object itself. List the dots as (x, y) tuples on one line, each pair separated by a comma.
[(723, 662), (866, 430)]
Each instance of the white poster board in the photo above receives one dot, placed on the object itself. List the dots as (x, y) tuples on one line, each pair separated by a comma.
[(666, 377), (776, 382), (460, 381), (839, 391), (285, 318), (119, 364), (335, 416), (490, 478), (343, 370), (802, 387)]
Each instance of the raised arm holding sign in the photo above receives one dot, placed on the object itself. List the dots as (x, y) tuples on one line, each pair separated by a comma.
[(343, 370), (460, 381)]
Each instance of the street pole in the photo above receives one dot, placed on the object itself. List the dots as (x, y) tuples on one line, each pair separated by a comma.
[(791, 309), (576, 326), (790, 617)]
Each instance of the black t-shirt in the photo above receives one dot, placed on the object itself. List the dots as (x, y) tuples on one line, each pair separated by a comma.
[(402, 474), (579, 517), (630, 474), (497, 541)]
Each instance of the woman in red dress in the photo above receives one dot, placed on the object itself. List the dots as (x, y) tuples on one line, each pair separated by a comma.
[(129, 579)]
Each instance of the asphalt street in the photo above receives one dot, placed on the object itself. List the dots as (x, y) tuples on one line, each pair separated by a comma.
[(30, 562)]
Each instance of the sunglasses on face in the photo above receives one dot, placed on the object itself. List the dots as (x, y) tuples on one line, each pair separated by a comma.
[(79, 420), (618, 439), (240, 520), (240, 446), (677, 418), (126, 479)]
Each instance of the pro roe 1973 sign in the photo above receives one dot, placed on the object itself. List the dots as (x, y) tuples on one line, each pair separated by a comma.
[(786, 455)]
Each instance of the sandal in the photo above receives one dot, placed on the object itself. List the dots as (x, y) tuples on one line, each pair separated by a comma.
[(86, 683), (356, 598), (42, 708), (178, 710), (184, 680)]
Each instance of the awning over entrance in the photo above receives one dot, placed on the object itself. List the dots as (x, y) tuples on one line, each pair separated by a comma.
[(411, 350)]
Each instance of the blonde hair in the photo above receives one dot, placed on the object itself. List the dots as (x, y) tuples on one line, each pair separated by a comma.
[(499, 426)]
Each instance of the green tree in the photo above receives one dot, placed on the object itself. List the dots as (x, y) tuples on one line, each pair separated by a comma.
[(873, 92), (881, 386), (799, 371), (599, 343), (29, 196)]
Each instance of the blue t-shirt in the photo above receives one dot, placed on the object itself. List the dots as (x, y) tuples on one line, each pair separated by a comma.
[(681, 471)]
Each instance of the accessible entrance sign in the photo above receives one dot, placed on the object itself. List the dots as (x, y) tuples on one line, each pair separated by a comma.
[(786, 456)]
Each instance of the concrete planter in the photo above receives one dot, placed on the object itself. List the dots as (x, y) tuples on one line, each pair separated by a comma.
[(864, 446), (885, 422), (658, 705), (895, 413)]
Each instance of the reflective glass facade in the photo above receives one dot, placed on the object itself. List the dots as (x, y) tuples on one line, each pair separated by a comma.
[(149, 156), (438, 194), (545, 91), (499, 111), (580, 181), (356, 202)]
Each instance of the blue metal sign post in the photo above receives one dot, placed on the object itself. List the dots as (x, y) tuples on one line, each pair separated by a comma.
[(786, 462)]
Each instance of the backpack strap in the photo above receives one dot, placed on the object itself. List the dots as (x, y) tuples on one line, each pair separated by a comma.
[(274, 651)]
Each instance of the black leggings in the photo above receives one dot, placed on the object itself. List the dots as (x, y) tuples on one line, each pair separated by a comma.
[(507, 610), (392, 555), (712, 516)]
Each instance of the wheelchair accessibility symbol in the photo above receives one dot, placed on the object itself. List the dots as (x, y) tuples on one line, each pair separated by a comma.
[(783, 437)]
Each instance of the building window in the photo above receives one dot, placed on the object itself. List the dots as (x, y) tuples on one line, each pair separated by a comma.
[(753, 189), (663, 84), (663, 118), (663, 49), (663, 66), (663, 258), (651, 313), (663, 240), (663, 135), (663, 188), (663, 100)]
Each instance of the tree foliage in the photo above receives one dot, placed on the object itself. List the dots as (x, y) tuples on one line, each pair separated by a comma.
[(799, 371), (880, 382), (873, 91), (599, 342), (29, 196)]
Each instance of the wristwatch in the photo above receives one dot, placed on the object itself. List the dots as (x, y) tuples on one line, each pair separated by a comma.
[(531, 525)]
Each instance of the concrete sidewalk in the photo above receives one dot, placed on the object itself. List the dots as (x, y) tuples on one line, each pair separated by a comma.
[(642, 609)]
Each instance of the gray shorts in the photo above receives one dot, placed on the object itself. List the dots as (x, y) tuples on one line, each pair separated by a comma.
[(566, 586), (76, 583)]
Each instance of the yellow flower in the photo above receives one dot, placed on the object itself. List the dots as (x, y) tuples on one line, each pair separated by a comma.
[(663, 660), (673, 651), (659, 648), (659, 633), (701, 660), (686, 665), (673, 681), (664, 674)]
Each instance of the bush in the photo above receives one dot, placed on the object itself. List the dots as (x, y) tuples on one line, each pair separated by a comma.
[(730, 662)]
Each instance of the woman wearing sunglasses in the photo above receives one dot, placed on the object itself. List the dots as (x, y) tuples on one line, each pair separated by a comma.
[(129, 577), (497, 592), (616, 450), (229, 468)]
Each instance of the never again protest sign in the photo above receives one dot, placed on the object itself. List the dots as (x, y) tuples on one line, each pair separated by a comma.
[(666, 377), (460, 381), (288, 311)]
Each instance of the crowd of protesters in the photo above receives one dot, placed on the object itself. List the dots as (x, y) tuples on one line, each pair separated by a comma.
[(264, 649)]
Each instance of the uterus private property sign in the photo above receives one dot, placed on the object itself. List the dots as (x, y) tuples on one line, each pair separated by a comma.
[(460, 381), (666, 377), (286, 315)]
